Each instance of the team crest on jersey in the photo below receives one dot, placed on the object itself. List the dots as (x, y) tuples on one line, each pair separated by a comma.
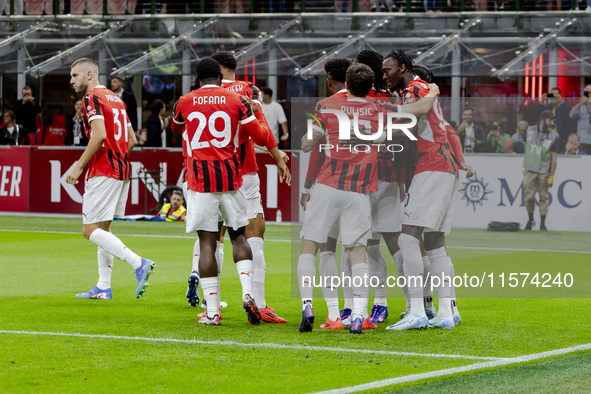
[(474, 191)]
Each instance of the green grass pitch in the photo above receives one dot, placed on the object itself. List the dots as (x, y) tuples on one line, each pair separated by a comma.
[(44, 262)]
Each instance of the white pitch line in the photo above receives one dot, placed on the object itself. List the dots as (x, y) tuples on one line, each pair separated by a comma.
[(297, 241), (241, 344), (456, 370)]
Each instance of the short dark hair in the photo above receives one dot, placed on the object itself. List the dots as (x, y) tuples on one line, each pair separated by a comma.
[(157, 106), (225, 59), (402, 58), (116, 77), (207, 68), (423, 72), (559, 91), (267, 91), (27, 87), (468, 109), (359, 79), (336, 68), (374, 60)]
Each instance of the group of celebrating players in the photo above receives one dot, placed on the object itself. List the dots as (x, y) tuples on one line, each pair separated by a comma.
[(351, 195)]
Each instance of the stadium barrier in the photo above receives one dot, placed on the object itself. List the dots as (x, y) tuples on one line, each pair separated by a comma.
[(495, 193), (32, 179)]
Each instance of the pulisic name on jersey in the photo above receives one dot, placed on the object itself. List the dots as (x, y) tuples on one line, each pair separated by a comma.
[(202, 100)]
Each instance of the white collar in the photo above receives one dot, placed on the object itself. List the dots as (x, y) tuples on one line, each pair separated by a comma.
[(341, 91), (211, 85), (227, 81)]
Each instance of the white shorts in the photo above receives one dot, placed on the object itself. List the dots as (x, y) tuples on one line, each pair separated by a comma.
[(204, 210), (385, 208), (430, 201), (104, 198), (251, 186), (329, 206)]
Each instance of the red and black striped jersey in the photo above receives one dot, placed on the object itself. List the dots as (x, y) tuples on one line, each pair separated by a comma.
[(433, 147), (347, 168), (212, 115), (248, 160), (112, 159), (317, 156)]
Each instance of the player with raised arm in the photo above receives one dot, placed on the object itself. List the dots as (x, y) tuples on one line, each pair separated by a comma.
[(111, 139), (429, 203), (212, 116), (336, 70)]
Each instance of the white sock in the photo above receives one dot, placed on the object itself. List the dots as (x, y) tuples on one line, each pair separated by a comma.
[(453, 288), (306, 274), (379, 269), (360, 293), (346, 274), (244, 268), (196, 254), (441, 268), (219, 255), (328, 269), (210, 288), (427, 290), (413, 270), (113, 245), (105, 268), (400, 272), (259, 267)]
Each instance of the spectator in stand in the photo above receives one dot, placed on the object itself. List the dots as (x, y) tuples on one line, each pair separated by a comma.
[(561, 111), (572, 146), (128, 98), (142, 136), (519, 136), (508, 146), (582, 114), (472, 136), (26, 110), (157, 125), (275, 116), (495, 137), (75, 127), (12, 133), (174, 211)]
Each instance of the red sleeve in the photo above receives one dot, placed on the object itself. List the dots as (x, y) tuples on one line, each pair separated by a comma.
[(413, 92), (254, 130), (178, 122), (315, 164), (93, 108), (266, 129), (455, 144)]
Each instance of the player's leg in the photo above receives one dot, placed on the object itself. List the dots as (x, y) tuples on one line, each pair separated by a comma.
[(355, 228), (329, 271), (306, 273), (378, 269), (255, 231), (233, 210), (441, 271), (105, 198), (441, 266), (346, 285), (321, 214)]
